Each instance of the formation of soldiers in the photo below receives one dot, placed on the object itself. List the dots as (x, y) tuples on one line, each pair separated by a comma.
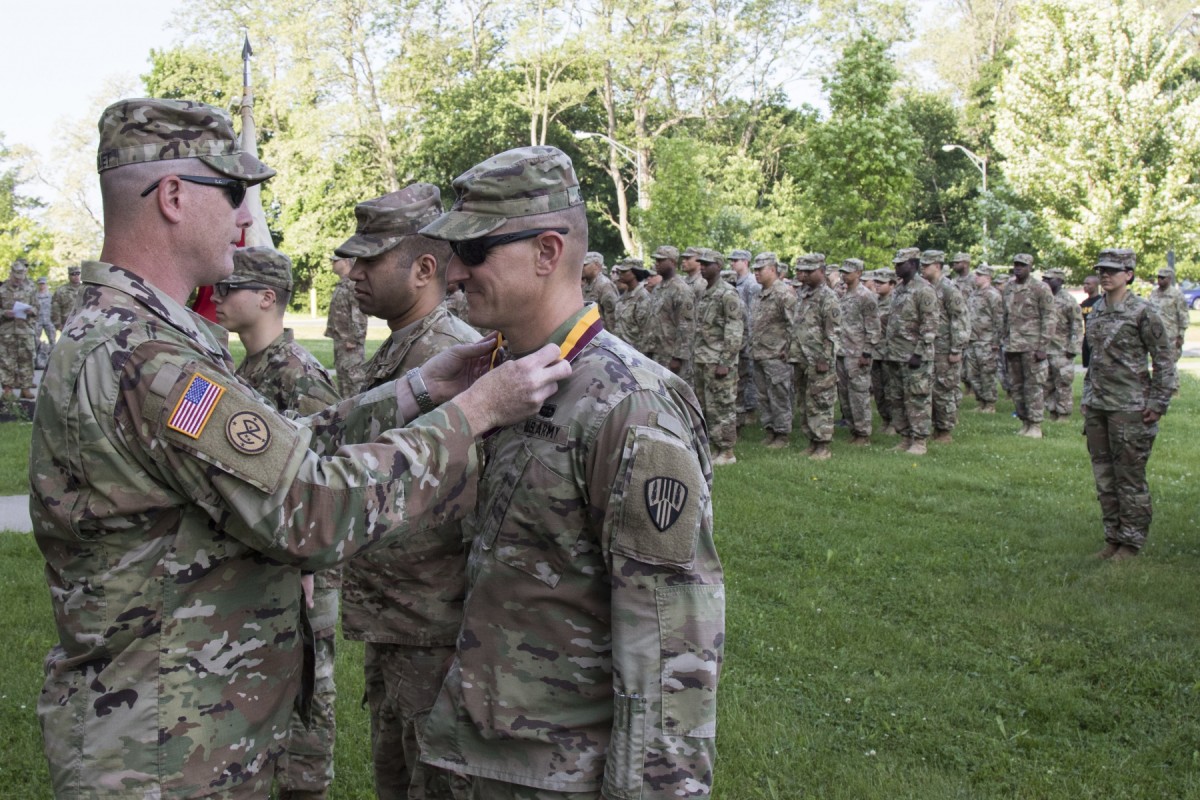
[(30, 311)]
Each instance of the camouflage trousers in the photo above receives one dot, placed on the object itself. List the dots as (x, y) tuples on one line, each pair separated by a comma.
[(17, 352), (1119, 444), (348, 364), (747, 391), (879, 390), (854, 394), (910, 394), (402, 681), (488, 789), (1026, 377), (816, 393), (982, 372), (306, 764), (774, 379), (1060, 377), (947, 392), (718, 401), (45, 327)]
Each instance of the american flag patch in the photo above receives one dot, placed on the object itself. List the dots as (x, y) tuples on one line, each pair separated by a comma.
[(195, 407)]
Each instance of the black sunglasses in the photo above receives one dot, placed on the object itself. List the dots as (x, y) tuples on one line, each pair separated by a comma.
[(473, 252), (223, 289), (235, 189)]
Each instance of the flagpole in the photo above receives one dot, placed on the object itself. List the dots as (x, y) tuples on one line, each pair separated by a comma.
[(257, 235)]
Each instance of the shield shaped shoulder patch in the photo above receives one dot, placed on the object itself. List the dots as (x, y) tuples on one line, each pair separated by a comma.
[(665, 498)]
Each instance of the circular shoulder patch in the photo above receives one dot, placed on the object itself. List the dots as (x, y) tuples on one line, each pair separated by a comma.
[(247, 431)]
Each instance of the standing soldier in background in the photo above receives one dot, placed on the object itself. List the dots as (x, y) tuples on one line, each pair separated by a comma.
[(17, 332), (66, 298), (1028, 328), (963, 278), (675, 313), (347, 327), (985, 308), (251, 303), (720, 327), (813, 348), (1063, 347), (858, 339), (45, 322), (598, 289), (1123, 401), (635, 307), (690, 265), (1172, 309), (747, 289), (1091, 288), (911, 331), (771, 320), (405, 604), (885, 285), (953, 333)]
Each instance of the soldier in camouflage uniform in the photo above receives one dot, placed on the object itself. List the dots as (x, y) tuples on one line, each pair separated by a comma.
[(986, 311), (635, 315), (598, 289), (911, 331), (456, 302), (45, 323), (66, 298), (1064, 345), (406, 604), (1123, 401), (175, 509), (17, 334), (772, 319), (251, 303), (1172, 308), (747, 289), (885, 286), (689, 267), (591, 643), (675, 315), (347, 327), (1028, 329), (720, 328), (953, 334), (963, 277), (813, 350), (859, 337)]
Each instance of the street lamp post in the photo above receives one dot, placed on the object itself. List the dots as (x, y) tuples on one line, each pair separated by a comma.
[(631, 155), (980, 163)]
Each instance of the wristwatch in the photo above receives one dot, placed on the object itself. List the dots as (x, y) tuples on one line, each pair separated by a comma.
[(420, 392)]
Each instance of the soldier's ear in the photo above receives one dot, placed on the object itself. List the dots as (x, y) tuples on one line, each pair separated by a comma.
[(424, 269)]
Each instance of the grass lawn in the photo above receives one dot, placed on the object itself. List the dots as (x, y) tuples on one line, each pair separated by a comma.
[(898, 627)]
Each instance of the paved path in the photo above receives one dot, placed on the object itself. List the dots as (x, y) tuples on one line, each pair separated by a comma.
[(14, 514)]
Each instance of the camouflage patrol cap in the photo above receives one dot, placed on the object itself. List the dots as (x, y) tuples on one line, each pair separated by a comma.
[(709, 256), (691, 252), (74, 270), (1024, 259), (960, 257), (906, 254), (592, 257), (667, 251), (384, 222), (1002, 278), (739, 255), (142, 130), (43, 280), (933, 257), (851, 265), (264, 265), (1165, 272), (767, 259), (524, 182), (1054, 272), (19, 267), (1117, 258), (626, 264), (984, 269), (810, 262), (885, 275)]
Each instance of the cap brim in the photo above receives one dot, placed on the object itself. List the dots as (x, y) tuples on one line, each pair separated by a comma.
[(242, 166), (460, 226), (1111, 265), (360, 246)]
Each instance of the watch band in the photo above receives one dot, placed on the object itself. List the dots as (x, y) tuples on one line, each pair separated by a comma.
[(420, 391)]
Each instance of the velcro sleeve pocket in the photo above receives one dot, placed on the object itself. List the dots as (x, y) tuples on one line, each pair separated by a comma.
[(663, 499), (691, 623)]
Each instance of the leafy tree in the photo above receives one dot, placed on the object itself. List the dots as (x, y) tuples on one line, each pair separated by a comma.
[(21, 234), (947, 183)]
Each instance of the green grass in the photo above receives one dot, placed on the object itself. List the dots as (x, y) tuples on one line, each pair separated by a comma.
[(897, 627), (14, 458)]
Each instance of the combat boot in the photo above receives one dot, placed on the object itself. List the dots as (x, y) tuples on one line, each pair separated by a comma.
[(812, 446), (986, 408), (917, 448), (27, 394), (780, 442), (724, 457), (1109, 550), (1024, 429), (903, 445), (943, 437), (768, 437), (1034, 431), (890, 430), (1124, 553), (820, 452), (861, 441)]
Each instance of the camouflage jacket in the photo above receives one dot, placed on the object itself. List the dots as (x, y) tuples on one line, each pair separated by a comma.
[(675, 314), (43, 306), (1028, 316), (10, 293), (1122, 338), (954, 329), (697, 284), (879, 351), (173, 559), (748, 288), (593, 629), (603, 292), (965, 285), (772, 319), (912, 322), (346, 321), (635, 319), (986, 311), (817, 326), (860, 322), (66, 299), (411, 594), (1172, 310), (720, 326), (1068, 325)]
